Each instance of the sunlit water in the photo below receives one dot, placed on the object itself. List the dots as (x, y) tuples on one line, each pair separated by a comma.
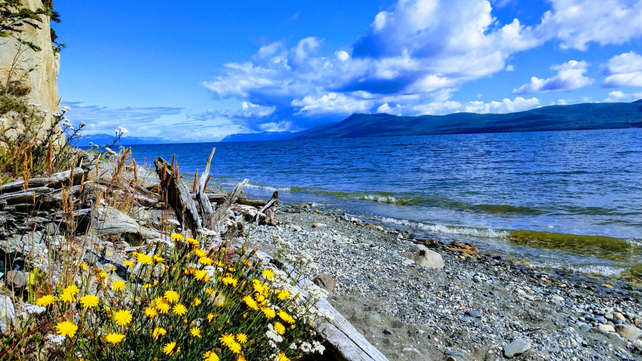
[(565, 199)]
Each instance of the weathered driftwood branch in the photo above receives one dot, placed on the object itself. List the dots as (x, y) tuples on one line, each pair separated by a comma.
[(220, 198), (205, 207), (28, 195), (177, 195), (220, 212), (270, 209), (55, 179)]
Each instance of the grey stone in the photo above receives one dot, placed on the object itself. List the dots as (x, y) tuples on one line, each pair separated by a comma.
[(387, 332), (628, 332), (325, 281), (17, 280), (583, 326), (516, 348), (426, 258), (464, 319), (454, 353), (7, 314), (318, 225), (474, 313)]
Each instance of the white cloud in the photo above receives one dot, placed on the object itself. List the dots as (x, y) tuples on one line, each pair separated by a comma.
[(570, 76), (505, 106), (331, 103), (577, 22), (616, 96), (510, 68), (623, 70)]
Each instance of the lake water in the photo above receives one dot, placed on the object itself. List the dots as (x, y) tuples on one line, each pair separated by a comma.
[(569, 199)]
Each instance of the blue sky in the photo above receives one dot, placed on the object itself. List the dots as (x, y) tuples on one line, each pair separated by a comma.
[(201, 71)]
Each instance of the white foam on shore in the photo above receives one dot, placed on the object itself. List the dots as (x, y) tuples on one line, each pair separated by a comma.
[(268, 188), (598, 270), (438, 228), (377, 198)]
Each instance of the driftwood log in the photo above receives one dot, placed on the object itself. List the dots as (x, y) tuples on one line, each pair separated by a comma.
[(269, 210), (54, 181), (193, 211)]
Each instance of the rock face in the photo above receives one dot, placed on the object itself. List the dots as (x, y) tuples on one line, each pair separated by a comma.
[(630, 333), (43, 79)]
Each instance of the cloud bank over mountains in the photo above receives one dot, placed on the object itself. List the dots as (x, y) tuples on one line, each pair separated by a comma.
[(414, 57)]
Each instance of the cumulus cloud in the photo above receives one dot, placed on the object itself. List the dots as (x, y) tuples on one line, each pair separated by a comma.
[(623, 70), (570, 76), (576, 23), (444, 107), (505, 106)]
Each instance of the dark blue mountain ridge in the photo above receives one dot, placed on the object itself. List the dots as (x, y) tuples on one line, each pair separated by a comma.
[(548, 118)]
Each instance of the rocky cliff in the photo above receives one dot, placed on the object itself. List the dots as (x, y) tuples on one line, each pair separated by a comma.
[(36, 71)]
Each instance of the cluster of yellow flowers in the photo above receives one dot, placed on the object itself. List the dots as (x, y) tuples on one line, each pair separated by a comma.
[(190, 300)]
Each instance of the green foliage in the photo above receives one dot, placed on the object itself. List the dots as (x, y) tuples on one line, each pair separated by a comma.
[(14, 16), (30, 143)]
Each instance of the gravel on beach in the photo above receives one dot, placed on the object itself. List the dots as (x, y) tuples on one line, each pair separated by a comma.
[(477, 307)]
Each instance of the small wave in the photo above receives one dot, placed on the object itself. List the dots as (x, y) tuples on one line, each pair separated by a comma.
[(268, 188), (605, 271), (439, 228)]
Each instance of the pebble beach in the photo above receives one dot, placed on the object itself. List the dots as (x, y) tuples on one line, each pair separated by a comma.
[(476, 307)]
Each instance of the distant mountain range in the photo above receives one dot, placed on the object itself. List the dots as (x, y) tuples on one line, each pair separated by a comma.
[(102, 139), (549, 118), (257, 137)]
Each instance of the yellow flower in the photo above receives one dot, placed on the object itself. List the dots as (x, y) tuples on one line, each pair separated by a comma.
[(190, 271), (278, 326), (268, 274), (147, 286), (191, 241), (210, 356), (172, 296), (241, 338), (66, 328), (259, 287), (199, 253), (210, 317), (67, 297), (122, 317), (144, 259), (180, 309), (177, 237), (227, 339), (171, 348), (45, 301), (206, 261), (196, 301), (282, 294), (281, 357), (73, 290), (128, 263), (202, 275), (101, 275), (196, 332), (229, 280), (158, 332), (89, 301), (118, 285), (209, 291), (158, 259), (235, 347), (285, 317), (260, 299), (241, 358), (83, 265), (115, 338), (163, 308), (150, 312), (250, 303), (269, 313)]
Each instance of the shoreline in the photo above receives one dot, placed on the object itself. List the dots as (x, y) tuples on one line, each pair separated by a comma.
[(468, 310)]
